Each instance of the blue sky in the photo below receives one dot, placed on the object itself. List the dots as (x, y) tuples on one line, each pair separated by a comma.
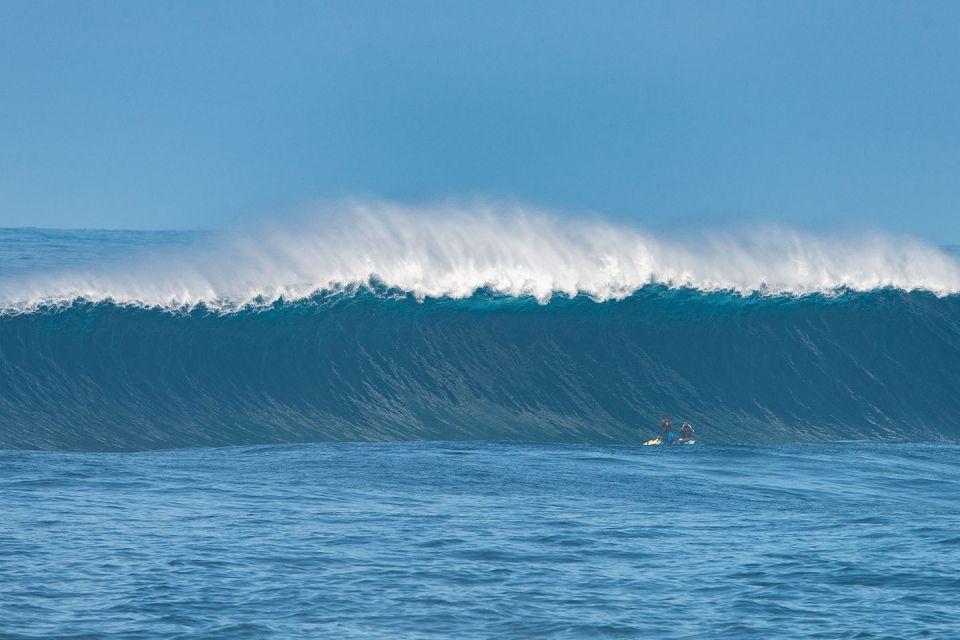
[(195, 114)]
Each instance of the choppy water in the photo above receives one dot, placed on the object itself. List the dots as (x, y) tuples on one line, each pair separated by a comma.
[(420, 540)]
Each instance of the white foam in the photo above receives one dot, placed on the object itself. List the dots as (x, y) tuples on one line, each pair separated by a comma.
[(453, 250)]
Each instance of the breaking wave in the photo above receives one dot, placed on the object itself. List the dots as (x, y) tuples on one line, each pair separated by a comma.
[(375, 365), (379, 322), (455, 251)]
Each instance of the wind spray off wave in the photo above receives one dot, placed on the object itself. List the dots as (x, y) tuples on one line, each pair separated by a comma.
[(380, 322), (454, 251)]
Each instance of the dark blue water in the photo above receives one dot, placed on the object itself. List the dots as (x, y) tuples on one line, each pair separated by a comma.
[(472, 540), (366, 366)]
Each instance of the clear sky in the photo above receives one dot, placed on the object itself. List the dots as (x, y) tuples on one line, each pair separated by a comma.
[(192, 114)]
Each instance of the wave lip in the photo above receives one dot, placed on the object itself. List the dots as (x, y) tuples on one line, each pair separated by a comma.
[(453, 251)]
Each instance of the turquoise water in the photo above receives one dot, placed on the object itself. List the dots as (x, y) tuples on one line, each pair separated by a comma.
[(483, 540)]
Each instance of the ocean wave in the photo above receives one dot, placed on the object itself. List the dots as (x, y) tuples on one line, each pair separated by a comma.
[(380, 365), (455, 250)]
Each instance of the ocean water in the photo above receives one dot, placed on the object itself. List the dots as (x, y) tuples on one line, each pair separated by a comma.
[(386, 422), (483, 540)]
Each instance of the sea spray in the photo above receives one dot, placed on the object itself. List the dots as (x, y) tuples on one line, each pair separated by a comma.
[(454, 251)]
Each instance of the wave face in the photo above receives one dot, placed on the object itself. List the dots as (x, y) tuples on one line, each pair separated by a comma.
[(377, 364)]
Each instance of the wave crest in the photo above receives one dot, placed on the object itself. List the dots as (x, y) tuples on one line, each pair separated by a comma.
[(454, 250)]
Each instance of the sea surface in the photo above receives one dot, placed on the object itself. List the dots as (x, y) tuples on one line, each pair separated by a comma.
[(402, 424), (483, 540)]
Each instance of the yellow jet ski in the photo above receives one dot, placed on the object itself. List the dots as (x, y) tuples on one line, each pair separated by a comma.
[(659, 440)]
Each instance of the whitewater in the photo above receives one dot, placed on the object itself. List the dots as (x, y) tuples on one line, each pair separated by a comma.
[(454, 250)]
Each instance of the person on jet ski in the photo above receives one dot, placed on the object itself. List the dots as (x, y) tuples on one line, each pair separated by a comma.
[(686, 433), (666, 433)]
